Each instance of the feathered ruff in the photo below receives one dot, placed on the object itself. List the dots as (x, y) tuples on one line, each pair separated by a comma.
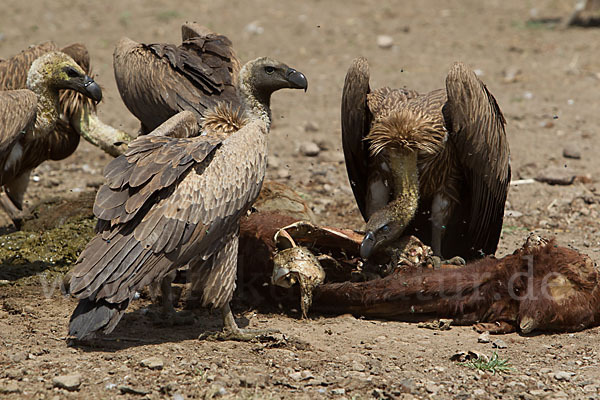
[(223, 120), (407, 130)]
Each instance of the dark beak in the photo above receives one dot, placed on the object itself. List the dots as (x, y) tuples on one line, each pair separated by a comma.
[(297, 79), (367, 245), (91, 89)]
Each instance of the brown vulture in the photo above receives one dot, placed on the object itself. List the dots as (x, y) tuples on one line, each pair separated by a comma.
[(156, 81), (434, 165), (173, 200), (28, 118)]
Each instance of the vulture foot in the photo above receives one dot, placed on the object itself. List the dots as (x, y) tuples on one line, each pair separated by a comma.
[(437, 262), (495, 328), (232, 332), (14, 212)]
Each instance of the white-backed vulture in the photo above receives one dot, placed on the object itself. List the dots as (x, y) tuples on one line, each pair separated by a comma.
[(156, 81), (27, 123), (173, 200), (77, 112), (434, 165)]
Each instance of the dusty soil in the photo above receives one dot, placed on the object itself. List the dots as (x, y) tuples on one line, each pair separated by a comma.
[(545, 80)]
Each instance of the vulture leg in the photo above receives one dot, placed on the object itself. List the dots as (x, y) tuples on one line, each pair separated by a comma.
[(232, 332), (440, 215), (12, 202), (168, 316)]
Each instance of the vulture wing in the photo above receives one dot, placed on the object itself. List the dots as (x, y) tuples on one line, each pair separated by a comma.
[(17, 115), (157, 81), (356, 121), (477, 131), (13, 72), (167, 202)]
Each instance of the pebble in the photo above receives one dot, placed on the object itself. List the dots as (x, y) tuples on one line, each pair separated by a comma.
[(178, 396), (556, 176), (513, 213), (563, 376), (356, 366), (69, 382), (10, 388), (479, 392), (432, 387), (484, 337), (512, 74), (152, 363), (283, 173), (499, 344), (309, 149), (311, 126), (254, 28), (572, 151), (339, 391), (385, 41), (4, 282), (538, 392), (129, 390)]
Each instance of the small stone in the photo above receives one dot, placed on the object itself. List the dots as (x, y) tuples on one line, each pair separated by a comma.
[(572, 151), (68, 382), (10, 388), (513, 213), (432, 387), (563, 376), (178, 396), (512, 74), (129, 390), (311, 126), (590, 388), (254, 28), (356, 366), (297, 376), (339, 391), (484, 337), (499, 344), (479, 392), (283, 173), (537, 392), (309, 149), (556, 176), (4, 282), (152, 363), (385, 41)]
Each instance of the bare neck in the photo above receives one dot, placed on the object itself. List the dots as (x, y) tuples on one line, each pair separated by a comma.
[(406, 186), (47, 104), (256, 106)]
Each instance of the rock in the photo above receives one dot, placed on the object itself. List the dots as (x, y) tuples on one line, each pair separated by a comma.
[(10, 388), (356, 366), (297, 376), (178, 396), (283, 173), (152, 363), (499, 344), (513, 213), (563, 376), (254, 28), (311, 126), (590, 388), (537, 392), (385, 41), (309, 149), (512, 74), (484, 337), (4, 282), (432, 387), (339, 391), (69, 382), (556, 176), (572, 151), (129, 390), (479, 392)]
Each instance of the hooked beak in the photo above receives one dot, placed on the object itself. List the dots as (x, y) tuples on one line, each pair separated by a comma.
[(367, 245), (91, 89), (297, 79)]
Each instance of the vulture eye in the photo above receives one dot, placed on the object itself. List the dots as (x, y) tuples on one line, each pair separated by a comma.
[(71, 73), (385, 229), (269, 70)]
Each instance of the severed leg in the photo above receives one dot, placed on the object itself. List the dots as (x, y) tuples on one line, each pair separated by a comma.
[(217, 277), (12, 200)]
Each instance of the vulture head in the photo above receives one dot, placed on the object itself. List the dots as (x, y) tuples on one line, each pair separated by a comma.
[(56, 70), (382, 229), (264, 75)]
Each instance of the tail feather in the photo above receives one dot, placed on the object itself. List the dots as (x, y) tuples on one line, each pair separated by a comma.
[(91, 316)]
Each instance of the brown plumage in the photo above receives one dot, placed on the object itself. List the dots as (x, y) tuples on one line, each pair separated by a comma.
[(173, 200), (541, 287), (156, 81), (27, 138), (435, 165)]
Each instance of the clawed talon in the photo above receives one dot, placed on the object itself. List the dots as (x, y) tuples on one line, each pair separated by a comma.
[(240, 335), (437, 261)]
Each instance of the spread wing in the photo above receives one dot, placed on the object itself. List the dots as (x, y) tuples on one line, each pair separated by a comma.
[(356, 120), (157, 81), (477, 130), (17, 115), (13, 72)]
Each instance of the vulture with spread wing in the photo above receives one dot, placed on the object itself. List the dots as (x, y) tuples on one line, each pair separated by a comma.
[(175, 199), (156, 81), (435, 165), (28, 120)]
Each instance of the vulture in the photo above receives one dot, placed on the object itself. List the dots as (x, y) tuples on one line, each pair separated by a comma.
[(173, 199), (156, 81), (28, 121), (434, 165)]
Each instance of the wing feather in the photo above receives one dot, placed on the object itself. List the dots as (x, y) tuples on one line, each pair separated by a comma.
[(477, 130)]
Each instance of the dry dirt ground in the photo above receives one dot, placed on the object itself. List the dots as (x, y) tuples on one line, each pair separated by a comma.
[(546, 82)]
